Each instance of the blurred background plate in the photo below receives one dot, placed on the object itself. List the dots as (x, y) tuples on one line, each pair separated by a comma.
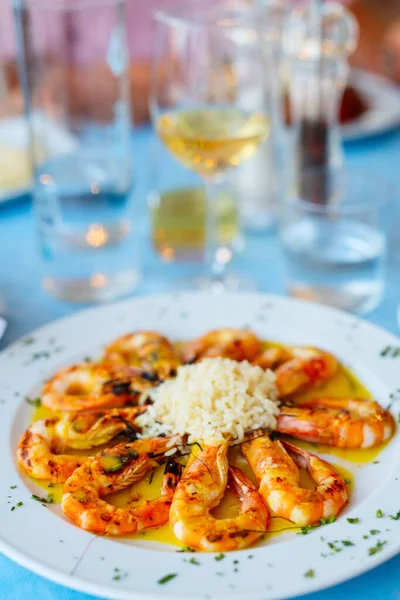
[(383, 106), (15, 163)]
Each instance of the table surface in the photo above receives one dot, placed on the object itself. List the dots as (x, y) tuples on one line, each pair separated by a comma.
[(26, 306)]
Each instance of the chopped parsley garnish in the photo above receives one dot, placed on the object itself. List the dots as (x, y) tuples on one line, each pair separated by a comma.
[(167, 578), (13, 487), (354, 520), (375, 462), (328, 521), (33, 401), (118, 575), (50, 485), (304, 530), (307, 528), (392, 351), (310, 573), (333, 547), (48, 500), (347, 481), (250, 556), (379, 514), (374, 531), (365, 537), (395, 517), (43, 354), (192, 561), (17, 505), (347, 543), (28, 341), (186, 549), (219, 556), (376, 548), (235, 562)]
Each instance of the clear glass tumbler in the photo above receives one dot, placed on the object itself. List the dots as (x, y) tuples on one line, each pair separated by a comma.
[(334, 253), (73, 61)]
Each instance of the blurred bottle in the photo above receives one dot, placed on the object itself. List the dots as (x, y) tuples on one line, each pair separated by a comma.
[(318, 40)]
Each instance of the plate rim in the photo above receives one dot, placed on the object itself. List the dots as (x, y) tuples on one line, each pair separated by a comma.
[(121, 594), (358, 129)]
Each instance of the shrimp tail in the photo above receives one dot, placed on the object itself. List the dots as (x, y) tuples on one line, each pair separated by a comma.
[(172, 476), (301, 457)]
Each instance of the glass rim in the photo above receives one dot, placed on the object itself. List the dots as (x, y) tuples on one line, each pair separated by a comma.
[(177, 13), (65, 5)]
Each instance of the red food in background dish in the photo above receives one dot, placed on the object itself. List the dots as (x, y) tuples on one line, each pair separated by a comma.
[(353, 105)]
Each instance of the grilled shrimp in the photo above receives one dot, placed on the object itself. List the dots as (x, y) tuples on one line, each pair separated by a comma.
[(297, 368), (147, 351), (237, 344), (90, 386), (41, 448), (271, 358), (341, 422), (275, 465), (114, 470), (85, 430), (201, 489)]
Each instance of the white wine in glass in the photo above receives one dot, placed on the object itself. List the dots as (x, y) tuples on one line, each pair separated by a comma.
[(208, 101), (212, 140)]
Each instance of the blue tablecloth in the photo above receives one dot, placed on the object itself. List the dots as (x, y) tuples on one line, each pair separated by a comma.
[(26, 306)]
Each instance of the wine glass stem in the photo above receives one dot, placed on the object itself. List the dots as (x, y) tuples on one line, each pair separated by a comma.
[(214, 265)]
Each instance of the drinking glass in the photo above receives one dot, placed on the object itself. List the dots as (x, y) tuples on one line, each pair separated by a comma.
[(334, 253), (73, 63), (260, 180), (204, 69), (177, 203)]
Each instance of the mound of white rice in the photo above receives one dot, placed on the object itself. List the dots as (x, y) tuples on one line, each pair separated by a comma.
[(213, 400)]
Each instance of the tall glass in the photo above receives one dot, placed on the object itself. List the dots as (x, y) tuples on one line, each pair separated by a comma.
[(203, 111), (73, 63)]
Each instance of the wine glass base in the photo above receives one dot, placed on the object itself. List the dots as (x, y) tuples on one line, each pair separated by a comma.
[(98, 288), (231, 282)]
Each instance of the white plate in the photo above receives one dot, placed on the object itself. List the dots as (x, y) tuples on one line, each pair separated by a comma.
[(42, 540), (383, 98)]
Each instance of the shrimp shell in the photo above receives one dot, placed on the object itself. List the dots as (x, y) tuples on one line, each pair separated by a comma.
[(114, 470)]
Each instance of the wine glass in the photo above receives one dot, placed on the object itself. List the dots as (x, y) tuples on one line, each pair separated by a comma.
[(209, 100)]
